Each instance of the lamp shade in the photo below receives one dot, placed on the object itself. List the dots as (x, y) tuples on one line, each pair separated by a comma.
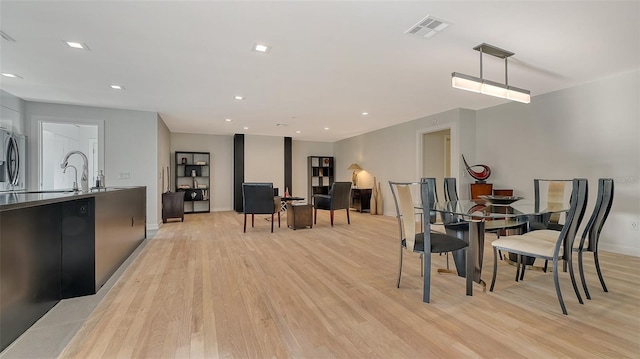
[(354, 167)]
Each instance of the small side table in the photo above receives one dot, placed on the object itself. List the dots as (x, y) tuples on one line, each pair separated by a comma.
[(299, 215)]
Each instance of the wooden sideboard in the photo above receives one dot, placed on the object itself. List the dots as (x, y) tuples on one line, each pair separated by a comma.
[(481, 189)]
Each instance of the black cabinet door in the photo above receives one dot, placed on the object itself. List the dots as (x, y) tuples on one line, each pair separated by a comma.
[(30, 267)]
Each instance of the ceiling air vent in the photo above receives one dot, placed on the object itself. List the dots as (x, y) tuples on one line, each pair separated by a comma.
[(427, 27)]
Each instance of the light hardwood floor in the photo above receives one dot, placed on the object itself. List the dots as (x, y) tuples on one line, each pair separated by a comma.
[(203, 289)]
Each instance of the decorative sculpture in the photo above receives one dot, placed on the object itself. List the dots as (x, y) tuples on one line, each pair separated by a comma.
[(480, 177)]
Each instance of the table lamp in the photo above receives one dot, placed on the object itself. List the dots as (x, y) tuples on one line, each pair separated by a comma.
[(354, 177)]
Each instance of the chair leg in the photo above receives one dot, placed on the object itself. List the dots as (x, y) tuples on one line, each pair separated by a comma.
[(573, 278), (278, 219), (315, 215), (252, 220), (422, 264), (495, 268), (500, 253), (597, 262), (447, 254), (582, 278), (518, 260), (331, 215), (245, 224), (524, 266), (557, 284), (271, 222), (348, 219), (400, 268)]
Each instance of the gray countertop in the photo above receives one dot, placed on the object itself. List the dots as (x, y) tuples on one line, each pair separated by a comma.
[(24, 199)]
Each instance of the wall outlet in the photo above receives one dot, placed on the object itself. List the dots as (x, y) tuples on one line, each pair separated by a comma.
[(634, 225)]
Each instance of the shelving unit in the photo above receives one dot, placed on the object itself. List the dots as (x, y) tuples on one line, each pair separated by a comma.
[(321, 175), (192, 177)]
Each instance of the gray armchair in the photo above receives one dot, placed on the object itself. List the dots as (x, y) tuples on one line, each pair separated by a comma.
[(338, 198), (258, 198)]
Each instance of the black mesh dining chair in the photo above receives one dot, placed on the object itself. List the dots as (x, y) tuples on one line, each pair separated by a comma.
[(413, 240), (531, 244), (592, 231)]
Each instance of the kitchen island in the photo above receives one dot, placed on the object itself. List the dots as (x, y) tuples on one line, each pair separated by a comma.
[(62, 244)]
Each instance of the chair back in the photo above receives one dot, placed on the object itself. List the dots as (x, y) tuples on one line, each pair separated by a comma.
[(405, 211), (257, 198), (450, 191), (430, 182), (599, 215), (579, 195), (340, 195), (554, 199)]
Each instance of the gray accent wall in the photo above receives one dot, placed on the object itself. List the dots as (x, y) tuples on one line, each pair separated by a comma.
[(590, 131), (130, 145), (12, 111), (395, 153)]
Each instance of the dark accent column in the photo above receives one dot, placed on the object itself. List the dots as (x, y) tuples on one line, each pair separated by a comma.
[(288, 172), (238, 171)]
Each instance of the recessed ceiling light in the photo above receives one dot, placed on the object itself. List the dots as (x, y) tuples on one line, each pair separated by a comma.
[(238, 98), (282, 124), (13, 76), (117, 87), (261, 48), (298, 131), (245, 127), (77, 45), (365, 113), (227, 120), (326, 128)]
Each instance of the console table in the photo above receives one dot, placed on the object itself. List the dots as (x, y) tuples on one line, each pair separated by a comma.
[(361, 199)]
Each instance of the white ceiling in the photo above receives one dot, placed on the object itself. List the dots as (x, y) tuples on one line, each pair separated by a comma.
[(330, 61)]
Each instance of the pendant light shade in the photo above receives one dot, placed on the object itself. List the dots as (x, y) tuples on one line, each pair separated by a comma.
[(491, 88)]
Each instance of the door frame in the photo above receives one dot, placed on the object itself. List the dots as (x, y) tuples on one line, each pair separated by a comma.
[(36, 133), (455, 146)]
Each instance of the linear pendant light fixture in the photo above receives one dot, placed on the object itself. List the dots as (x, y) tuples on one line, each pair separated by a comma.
[(480, 85)]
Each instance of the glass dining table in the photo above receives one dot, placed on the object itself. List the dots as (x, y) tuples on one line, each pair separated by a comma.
[(479, 214)]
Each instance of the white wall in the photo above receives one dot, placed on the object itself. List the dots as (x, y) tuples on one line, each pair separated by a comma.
[(300, 172), (130, 145), (221, 151), (587, 131)]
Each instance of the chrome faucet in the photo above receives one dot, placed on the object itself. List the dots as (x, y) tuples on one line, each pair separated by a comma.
[(75, 177), (84, 180)]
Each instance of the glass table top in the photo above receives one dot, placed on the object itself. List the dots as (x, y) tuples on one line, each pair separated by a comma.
[(484, 210)]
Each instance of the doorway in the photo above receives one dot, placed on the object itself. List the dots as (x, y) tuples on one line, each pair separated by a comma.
[(56, 140), (438, 153), (436, 157)]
